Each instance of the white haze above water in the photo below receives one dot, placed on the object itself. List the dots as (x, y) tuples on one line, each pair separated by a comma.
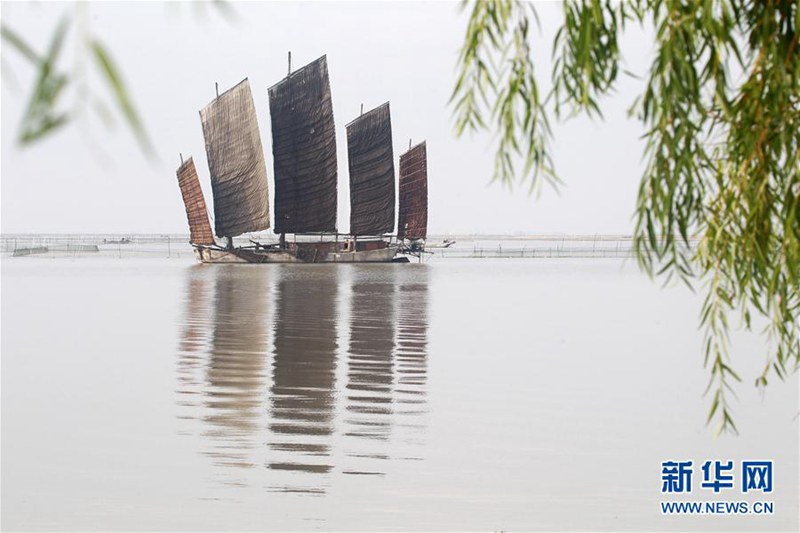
[(86, 180)]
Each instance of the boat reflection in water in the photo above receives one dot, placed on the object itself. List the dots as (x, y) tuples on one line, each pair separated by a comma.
[(370, 357), (222, 364), (386, 374), (292, 376), (302, 396), (235, 371), (411, 355)]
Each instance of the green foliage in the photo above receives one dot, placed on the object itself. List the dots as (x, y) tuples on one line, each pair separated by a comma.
[(721, 114), (41, 114), (120, 92), (47, 111), (496, 64)]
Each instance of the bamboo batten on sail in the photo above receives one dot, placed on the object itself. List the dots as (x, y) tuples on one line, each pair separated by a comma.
[(199, 226), (413, 219), (304, 150), (371, 162), (236, 162)]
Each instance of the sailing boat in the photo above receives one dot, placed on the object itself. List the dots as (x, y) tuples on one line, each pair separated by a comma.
[(413, 224), (305, 170)]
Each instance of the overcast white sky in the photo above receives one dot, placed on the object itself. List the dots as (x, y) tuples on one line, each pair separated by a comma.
[(86, 179)]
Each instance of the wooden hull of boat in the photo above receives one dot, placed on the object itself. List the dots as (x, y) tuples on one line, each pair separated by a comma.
[(215, 255)]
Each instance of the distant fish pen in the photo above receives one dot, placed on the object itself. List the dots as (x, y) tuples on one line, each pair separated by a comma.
[(95, 245), (539, 247), (465, 246), (621, 251), (504, 252)]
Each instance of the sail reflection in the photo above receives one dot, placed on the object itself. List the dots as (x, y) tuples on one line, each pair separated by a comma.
[(370, 362), (303, 373), (221, 363), (387, 366), (194, 340), (412, 350), (235, 373), (293, 422)]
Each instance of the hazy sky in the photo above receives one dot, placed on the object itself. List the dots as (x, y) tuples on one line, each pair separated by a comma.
[(87, 179)]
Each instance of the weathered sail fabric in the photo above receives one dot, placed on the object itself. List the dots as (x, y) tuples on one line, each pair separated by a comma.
[(236, 162), (304, 150), (199, 226), (371, 162), (413, 220)]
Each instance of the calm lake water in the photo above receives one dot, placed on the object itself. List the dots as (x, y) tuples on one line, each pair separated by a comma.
[(458, 394)]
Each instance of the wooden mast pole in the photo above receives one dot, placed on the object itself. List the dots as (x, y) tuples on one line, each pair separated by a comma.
[(282, 238)]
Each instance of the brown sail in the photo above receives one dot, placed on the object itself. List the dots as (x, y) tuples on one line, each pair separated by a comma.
[(304, 150), (413, 220), (199, 226), (236, 162), (371, 162)]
